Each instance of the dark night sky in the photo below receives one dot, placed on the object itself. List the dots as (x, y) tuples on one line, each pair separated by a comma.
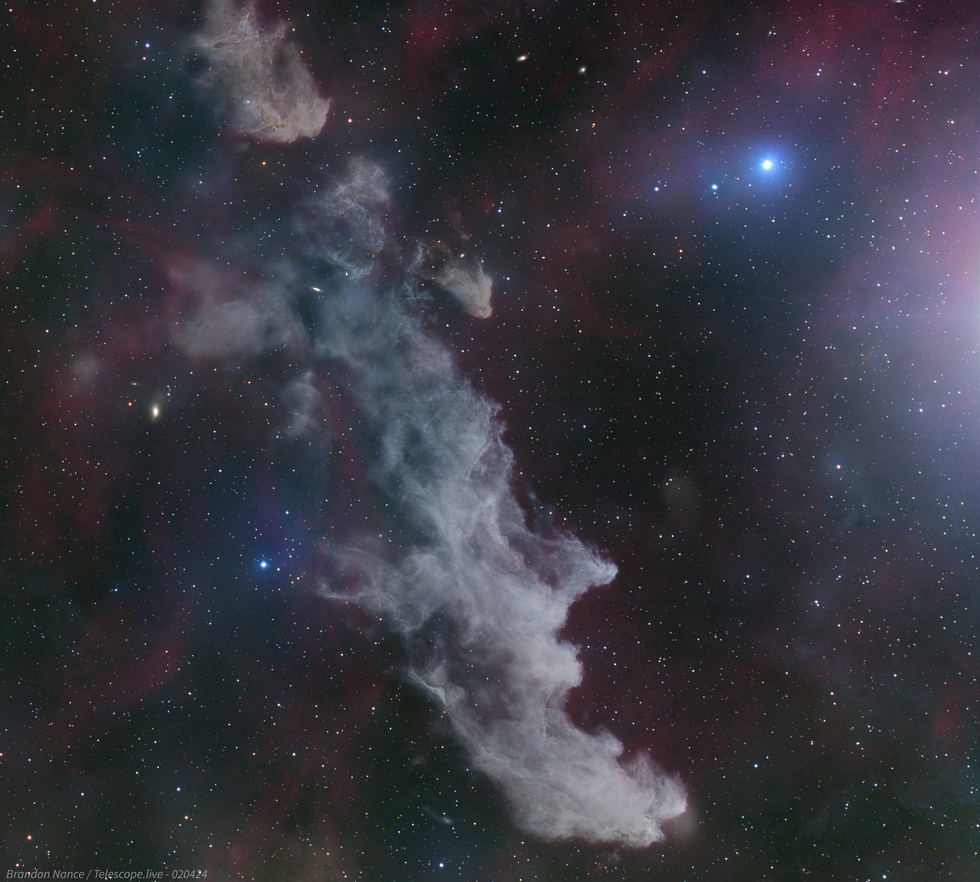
[(300, 529)]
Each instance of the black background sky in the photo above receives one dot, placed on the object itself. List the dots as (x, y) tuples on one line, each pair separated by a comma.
[(734, 344)]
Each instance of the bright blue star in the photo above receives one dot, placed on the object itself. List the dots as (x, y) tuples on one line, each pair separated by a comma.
[(263, 564), (767, 164)]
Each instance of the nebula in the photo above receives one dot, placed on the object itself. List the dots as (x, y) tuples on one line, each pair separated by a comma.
[(478, 596), (269, 92)]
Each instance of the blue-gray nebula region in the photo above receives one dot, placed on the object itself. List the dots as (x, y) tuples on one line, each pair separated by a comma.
[(489, 441), (454, 566)]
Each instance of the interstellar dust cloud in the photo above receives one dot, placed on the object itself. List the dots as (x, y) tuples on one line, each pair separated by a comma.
[(270, 93), (478, 597)]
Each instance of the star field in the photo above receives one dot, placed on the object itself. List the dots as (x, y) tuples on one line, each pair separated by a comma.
[(490, 442)]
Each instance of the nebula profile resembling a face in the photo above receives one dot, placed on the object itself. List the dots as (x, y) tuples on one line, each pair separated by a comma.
[(457, 554)]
